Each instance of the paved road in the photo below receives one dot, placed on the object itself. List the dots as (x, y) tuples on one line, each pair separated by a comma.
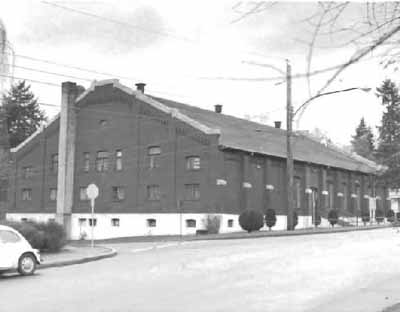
[(331, 272)]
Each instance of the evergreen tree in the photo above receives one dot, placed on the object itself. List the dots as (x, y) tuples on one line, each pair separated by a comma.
[(363, 141), (24, 116), (388, 150)]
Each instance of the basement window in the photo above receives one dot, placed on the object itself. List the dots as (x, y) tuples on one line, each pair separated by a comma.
[(92, 222), (115, 222), (190, 223), (151, 222)]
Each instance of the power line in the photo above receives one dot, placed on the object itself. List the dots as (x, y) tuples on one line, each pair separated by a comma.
[(75, 67), (32, 80), (111, 20), (49, 72)]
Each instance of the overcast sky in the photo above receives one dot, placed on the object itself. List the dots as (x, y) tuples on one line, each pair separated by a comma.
[(178, 47)]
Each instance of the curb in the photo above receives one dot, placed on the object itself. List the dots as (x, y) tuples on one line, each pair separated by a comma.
[(111, 253), (236, 235), (282, 234)]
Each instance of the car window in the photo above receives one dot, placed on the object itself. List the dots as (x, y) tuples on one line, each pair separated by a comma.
[(8, 237)]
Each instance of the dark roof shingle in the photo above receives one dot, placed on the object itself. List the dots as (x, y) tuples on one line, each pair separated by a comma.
[(250, 136)]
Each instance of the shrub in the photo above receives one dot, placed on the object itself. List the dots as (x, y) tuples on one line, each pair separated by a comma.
[(212, 224), (251, 220), (333, 217), (270, 218), (295, 219), (55, 236), (365, 216), (390, 215), (46, 236), (379, 215)]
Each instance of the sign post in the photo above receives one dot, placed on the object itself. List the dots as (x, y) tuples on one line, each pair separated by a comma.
[(92, 192)]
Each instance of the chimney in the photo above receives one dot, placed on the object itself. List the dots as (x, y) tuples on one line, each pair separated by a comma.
[(218, 108), (278, 124), (140, 86), (66, 154)]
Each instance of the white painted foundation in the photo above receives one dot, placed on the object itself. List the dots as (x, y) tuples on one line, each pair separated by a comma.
[(137, 225)]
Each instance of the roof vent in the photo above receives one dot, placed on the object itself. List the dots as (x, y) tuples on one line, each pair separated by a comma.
[(140, 86), (218, 108), (278, 124)]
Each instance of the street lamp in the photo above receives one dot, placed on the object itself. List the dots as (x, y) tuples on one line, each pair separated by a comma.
[(289, 152)]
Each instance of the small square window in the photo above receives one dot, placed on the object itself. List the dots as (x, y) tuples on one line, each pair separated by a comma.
[(193, 163), (151, 222), (118, 193), (114, 222), (190, 223), (24, 219), (92, 222), (230, 223), (53, 194), (82, 221)]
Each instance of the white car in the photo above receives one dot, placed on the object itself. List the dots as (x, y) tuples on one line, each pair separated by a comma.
[(16, 253)]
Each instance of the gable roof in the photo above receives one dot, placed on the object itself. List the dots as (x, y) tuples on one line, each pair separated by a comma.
[(237, 133), (242, 134)]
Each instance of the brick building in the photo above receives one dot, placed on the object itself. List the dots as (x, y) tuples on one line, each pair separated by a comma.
[(162, 167)]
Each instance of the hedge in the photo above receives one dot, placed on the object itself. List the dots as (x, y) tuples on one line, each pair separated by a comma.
[(45, 236)]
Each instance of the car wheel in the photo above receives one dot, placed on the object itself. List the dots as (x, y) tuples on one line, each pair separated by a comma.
[(26, 264)]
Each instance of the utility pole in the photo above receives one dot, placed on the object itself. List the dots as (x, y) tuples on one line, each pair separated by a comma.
[(289, 155)]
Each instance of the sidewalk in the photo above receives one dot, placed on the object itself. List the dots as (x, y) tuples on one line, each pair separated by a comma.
[(74, 255), (234, 235)]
